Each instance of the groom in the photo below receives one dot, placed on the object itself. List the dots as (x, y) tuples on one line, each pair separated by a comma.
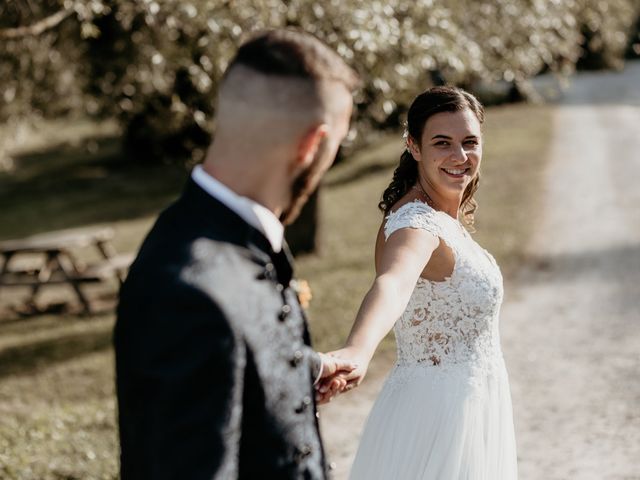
[(214, 370)]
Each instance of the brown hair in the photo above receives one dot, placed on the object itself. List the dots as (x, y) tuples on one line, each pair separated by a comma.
[(294, 53), (432, 101)]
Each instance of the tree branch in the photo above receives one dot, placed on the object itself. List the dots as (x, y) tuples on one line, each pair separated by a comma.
[(38, 27)]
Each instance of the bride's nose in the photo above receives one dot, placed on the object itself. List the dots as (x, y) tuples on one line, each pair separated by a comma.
[(459, 154)]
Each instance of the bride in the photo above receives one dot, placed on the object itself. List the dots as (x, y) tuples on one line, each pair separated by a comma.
[(444, 412)]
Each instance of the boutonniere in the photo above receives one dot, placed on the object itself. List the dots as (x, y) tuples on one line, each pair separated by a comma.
[(303, 291)]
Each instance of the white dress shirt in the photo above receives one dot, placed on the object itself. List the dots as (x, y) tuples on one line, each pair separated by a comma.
[(253, 213)]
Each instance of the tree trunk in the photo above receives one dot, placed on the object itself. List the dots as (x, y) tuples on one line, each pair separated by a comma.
[(302, 235)]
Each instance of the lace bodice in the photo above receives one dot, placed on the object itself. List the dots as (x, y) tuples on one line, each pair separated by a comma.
[(455, 321)]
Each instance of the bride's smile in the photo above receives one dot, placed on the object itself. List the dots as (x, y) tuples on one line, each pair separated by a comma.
[(448, 156)]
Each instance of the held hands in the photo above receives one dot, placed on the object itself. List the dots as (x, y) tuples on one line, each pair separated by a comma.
[(342, 371), (332, 379)]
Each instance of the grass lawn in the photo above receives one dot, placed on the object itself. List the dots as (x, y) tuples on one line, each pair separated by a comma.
[(57, 407)]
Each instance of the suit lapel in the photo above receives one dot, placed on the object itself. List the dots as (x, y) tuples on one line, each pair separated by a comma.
[(283, 262)]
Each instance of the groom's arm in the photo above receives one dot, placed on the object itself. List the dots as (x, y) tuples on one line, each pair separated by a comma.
[(328, 374), (183, 368), (315, 363)]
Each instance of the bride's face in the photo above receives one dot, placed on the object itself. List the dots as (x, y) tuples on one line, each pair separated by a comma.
[(450, 151)]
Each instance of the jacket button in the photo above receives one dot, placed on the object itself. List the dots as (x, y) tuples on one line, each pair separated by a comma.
[(297, 358), (304, 452), (269, 272), (284, 312), (306, 401)]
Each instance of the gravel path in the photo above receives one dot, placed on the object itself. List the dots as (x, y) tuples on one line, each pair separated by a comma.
[(571, 320)]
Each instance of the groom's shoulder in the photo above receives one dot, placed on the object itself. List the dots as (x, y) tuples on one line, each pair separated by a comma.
[(202, 273), (179, 236), (220, 263), (215, 259), (194, 258)]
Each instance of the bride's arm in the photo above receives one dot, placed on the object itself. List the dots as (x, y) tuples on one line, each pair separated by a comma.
[(401, 260)]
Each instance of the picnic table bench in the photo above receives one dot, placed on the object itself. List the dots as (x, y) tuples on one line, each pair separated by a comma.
[(49, 259)]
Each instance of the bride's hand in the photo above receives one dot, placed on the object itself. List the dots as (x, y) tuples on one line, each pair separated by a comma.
[(332, 380), (341, 381), (356, 376)]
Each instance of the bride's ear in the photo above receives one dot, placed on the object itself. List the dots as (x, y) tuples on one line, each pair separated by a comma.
[(414, 149)]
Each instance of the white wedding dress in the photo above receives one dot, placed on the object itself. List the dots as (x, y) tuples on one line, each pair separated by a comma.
[(444, 412)]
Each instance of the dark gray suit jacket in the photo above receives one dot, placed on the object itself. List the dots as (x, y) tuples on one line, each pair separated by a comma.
[(213, 359)]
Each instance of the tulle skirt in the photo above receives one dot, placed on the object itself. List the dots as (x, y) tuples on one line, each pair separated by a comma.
[(440, 423)]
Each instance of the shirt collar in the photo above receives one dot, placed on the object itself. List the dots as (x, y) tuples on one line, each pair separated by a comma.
[(256, 215)]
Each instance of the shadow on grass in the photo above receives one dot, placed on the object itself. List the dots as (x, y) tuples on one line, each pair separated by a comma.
[(41, 354), (65, 186), (357, 174), (21, 315)]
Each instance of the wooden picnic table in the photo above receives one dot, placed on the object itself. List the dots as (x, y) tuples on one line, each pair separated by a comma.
[(51, 259)]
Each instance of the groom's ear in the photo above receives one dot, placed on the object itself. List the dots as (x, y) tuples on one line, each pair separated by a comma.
[(308, 147)]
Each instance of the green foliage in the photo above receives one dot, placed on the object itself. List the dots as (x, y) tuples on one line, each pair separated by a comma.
[(156, 64), (633, 50), (39, 72), (606, 28)]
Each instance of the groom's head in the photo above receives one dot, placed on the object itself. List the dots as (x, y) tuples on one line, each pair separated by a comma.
[(284, 105)]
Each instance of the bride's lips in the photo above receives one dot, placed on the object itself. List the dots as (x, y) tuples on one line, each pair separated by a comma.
[(455, 172)]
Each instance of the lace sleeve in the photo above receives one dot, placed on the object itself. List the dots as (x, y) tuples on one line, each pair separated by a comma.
[(413, 215)]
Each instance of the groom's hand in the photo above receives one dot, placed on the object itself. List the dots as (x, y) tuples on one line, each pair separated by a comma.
[(355, 377), (333, 378)]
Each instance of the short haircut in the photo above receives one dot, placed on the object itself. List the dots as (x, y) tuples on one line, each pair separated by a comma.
[(293, 53), (287, 70)]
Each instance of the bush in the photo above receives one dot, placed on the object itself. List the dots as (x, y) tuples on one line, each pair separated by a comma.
[(39, 73), (633, 49), (606, 28), (155, 65)]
